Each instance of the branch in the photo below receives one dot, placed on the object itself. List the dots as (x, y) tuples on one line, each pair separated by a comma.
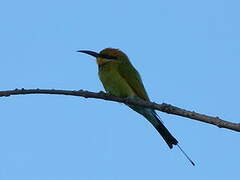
[(167, 108)]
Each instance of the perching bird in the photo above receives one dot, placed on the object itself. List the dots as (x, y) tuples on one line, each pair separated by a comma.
[(121, 79)]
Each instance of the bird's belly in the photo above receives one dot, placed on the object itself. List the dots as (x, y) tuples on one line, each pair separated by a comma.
[(115, 84)]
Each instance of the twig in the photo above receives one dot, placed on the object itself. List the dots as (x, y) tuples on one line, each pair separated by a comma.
[(167, 108)]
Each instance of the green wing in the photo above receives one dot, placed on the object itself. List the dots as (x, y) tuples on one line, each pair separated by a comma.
[(132, 77)]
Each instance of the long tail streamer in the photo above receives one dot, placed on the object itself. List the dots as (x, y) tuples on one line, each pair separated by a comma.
[(186, 155)]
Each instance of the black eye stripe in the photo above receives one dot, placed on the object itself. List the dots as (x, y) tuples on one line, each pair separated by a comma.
[(105, 56)]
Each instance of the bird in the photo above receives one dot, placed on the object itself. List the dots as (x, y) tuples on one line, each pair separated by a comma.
[(120, 78)]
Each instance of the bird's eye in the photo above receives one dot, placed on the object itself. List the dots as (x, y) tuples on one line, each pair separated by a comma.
[(105, 56)]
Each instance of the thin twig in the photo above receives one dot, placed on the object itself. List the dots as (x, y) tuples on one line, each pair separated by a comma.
[(167, 108)]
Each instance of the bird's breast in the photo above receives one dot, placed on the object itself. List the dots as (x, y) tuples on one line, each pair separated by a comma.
[(113, 82)]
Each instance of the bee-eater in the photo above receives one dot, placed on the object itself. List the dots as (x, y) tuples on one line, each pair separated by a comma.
[(121, 79)]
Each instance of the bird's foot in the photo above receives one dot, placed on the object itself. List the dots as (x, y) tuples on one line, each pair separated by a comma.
[(105, 93), (101, 92)]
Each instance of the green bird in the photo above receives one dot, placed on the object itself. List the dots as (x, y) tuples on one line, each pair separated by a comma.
[(121, 79)]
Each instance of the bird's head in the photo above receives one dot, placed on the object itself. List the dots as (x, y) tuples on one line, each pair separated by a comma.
[(107, 55)]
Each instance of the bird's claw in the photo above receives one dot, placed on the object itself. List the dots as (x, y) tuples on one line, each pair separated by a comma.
[(105, 93)]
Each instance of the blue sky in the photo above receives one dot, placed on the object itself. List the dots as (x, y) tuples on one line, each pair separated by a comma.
[(187, 53)]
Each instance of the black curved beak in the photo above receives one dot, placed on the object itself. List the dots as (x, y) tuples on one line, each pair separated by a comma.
[(97, 55), (91, 53)]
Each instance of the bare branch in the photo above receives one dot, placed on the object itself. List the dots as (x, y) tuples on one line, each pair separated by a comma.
[(167, 108)]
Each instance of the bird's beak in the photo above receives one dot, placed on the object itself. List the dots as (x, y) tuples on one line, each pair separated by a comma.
[(92, 53)]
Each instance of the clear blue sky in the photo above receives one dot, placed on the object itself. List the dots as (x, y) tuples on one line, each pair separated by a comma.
[(188, 54)]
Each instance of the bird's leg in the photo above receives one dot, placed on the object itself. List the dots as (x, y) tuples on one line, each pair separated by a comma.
[(105, 93), (102, 92)]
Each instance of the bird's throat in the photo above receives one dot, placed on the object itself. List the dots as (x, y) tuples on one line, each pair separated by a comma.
[(101, 61)]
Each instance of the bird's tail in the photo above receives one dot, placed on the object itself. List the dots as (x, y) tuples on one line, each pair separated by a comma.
[(153, 118), (162, 130), (168, 137)]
